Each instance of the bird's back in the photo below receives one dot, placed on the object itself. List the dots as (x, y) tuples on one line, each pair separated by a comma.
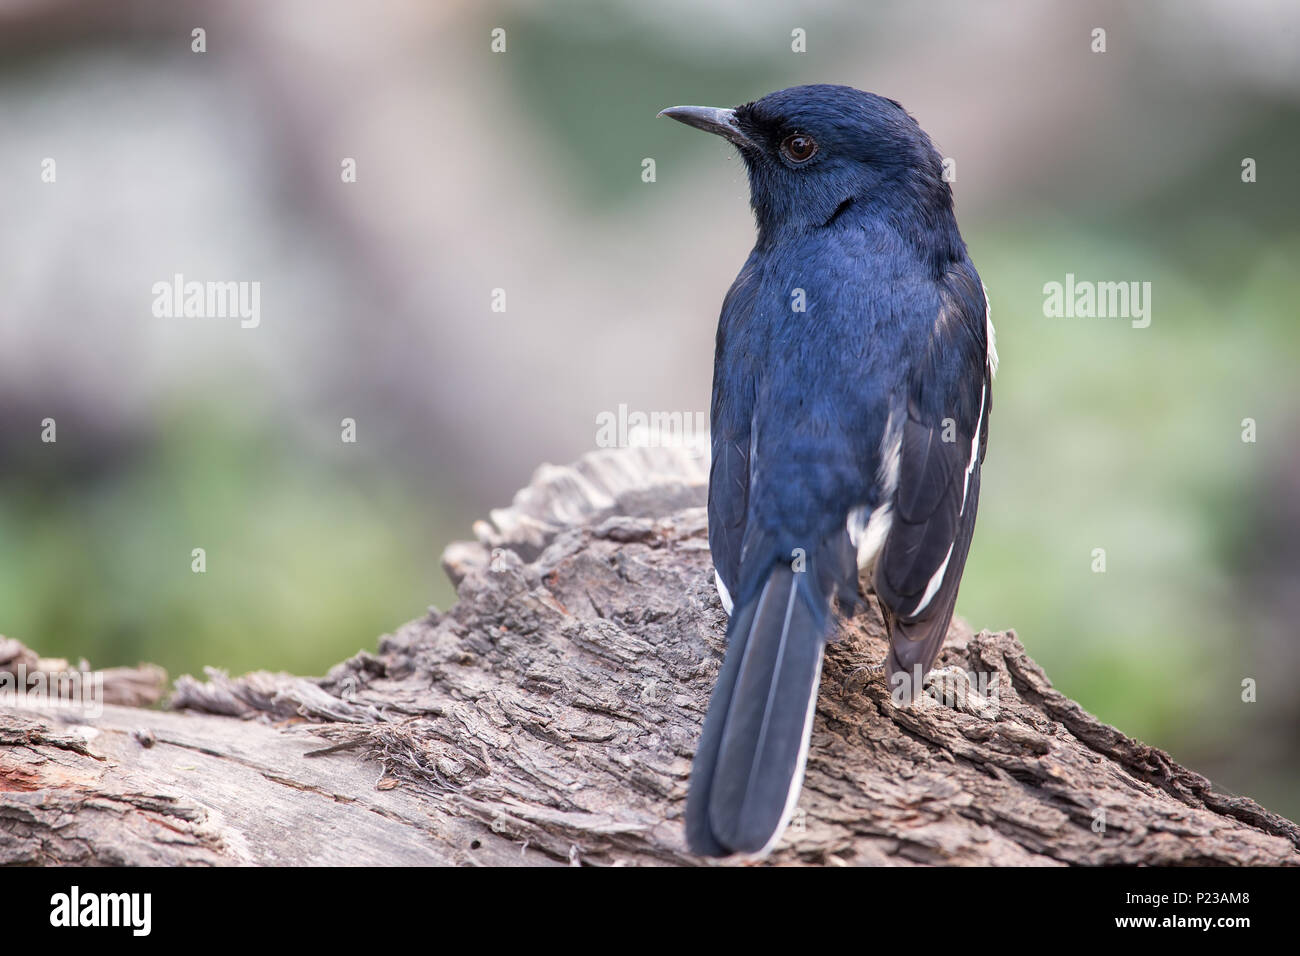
[(827, 340)]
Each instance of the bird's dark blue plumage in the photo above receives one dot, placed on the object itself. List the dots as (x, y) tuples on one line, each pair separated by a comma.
[(851, 398)]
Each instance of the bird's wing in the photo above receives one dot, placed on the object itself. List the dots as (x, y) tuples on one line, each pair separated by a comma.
[(730, 425), (940, 447)]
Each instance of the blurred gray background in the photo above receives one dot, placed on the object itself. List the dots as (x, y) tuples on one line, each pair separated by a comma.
[(522, 170)]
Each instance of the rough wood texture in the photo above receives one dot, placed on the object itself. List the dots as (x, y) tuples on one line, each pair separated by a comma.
[(551, 715)]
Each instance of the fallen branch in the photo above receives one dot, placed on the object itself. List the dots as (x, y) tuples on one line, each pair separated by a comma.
[(551, 715)]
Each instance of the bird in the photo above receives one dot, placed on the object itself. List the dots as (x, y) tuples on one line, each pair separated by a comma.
[(852, 388)]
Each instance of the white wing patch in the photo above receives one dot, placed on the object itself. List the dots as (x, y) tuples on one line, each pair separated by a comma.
[(932, 588), (990, 336), (974, 451), (868, 530), (723, 593)]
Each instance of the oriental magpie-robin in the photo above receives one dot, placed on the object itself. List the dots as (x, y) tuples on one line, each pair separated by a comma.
[(851, 398)]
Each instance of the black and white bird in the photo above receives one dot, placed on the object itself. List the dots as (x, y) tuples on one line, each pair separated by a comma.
[(851, 400)]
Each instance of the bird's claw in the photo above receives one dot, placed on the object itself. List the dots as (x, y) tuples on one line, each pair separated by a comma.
[(952, 687), (860, 676)]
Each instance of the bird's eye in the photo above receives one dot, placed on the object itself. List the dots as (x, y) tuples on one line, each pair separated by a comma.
[(798, 147)]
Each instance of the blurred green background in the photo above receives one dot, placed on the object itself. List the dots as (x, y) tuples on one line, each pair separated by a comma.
[(521, 170)]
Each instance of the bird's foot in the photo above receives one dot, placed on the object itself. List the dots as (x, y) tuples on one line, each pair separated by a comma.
[(860, 676), (952, 687)]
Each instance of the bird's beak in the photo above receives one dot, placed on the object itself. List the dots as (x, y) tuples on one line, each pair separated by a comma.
[(711, 120)]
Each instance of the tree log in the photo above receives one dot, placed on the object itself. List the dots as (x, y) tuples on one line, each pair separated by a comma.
[(551, 715)]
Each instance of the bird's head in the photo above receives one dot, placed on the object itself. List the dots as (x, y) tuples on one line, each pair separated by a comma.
[(815, 152)]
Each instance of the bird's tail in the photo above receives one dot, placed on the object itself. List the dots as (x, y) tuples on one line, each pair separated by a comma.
[(749, 764)]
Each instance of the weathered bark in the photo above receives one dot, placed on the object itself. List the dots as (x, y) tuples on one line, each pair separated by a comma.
[(551, 716)]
